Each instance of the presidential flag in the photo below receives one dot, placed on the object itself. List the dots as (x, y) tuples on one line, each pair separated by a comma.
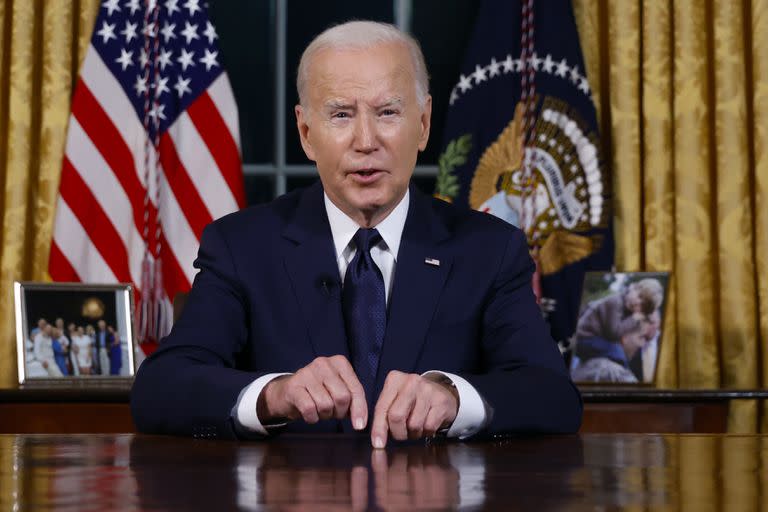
[(522, 143), (152, 155)]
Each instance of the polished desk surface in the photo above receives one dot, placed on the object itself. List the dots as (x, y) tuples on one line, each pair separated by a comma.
[(566, 473)]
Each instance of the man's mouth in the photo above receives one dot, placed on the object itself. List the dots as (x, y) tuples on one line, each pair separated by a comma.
[(366, 176), (366, 172)]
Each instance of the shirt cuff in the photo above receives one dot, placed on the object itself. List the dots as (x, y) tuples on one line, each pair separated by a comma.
[(472, 415), (245, 408)]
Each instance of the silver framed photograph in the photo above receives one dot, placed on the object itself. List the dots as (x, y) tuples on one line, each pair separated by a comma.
[(619, 331), (74, 335)]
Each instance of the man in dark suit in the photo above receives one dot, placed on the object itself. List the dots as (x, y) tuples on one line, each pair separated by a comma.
[(358, 302)]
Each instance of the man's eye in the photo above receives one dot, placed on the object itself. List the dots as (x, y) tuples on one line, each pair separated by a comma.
[(340, 115), (388, 112)]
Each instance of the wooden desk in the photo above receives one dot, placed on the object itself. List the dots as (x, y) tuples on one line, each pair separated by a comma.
[(627, 410), (587, 472)]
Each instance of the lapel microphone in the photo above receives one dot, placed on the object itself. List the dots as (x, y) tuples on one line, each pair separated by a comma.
[(329, 286)]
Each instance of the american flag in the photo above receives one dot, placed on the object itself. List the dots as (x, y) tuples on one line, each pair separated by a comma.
[(152, 155)]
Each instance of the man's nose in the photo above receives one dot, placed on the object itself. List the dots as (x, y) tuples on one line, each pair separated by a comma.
[(366, 138)]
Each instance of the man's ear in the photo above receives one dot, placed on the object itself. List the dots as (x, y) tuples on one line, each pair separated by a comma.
[(302, 123), (426, 123)]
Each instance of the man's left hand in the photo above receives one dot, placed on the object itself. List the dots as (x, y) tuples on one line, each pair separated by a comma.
[(411, 407)]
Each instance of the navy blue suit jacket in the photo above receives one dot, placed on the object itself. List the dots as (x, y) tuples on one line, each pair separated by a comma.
[(267, 299)]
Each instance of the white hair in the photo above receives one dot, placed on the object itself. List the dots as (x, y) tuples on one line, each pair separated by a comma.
[(362, 35)]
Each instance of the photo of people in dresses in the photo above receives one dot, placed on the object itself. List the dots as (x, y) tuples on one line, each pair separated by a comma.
[(74, 333)]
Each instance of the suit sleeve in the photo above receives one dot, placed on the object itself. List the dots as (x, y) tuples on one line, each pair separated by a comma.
[(525, 380), (190, 385)]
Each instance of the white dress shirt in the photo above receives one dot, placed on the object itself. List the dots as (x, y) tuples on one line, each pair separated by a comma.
[(471, 416)]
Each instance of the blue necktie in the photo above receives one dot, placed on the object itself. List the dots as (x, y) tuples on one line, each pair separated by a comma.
[(365, 310)]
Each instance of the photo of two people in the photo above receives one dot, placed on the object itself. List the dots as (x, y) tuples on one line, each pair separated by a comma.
[(619, 330)]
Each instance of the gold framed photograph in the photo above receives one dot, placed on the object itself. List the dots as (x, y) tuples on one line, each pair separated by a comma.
[(74, 335), (618, 335)]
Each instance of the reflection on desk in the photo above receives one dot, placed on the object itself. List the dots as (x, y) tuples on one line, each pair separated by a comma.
[(588, 472)]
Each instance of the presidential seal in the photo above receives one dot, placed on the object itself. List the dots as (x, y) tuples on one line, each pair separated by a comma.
[(560, 201)]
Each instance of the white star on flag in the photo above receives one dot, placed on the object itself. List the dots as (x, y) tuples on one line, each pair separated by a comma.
[(143, 58), (190, 32), (111, 6), (534, 61), (210, 32), (167, 31), (584, 85), (508, 64), (165, 58), (210, 59), (193, 6), (454, 96), (129, 31), (479, 74), (465, 83), (141, 85), (185, 59), (107, 32), (548, 64), (133, 5), (171, 6), (125, 58), (575, 74), (182, 86), (161, 86), (493, 67), (157, 111)]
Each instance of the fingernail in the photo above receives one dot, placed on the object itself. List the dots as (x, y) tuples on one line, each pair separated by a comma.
[(378, 442), (359, 424)]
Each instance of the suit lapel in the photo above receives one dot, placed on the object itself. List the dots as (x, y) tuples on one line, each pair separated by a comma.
[(314, 274), (416, 289)]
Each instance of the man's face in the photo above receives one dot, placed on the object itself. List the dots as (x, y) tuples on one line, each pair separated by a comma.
[(102, 325), (632, 300), (363, 127)]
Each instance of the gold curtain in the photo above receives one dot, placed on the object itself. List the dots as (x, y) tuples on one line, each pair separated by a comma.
[(42, 43), (681, 89)]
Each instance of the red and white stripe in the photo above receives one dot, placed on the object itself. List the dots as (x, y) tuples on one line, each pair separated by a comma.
[(100, 211)]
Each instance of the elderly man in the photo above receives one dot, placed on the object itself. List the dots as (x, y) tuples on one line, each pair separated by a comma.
[(359, 303)]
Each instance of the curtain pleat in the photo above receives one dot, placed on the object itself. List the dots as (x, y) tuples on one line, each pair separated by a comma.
[(736, 265), (624, 76), (658, 200)]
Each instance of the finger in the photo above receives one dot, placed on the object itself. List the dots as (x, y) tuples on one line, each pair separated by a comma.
[(320, 396), (337, 389), (434, 420), (304, 405), (400, 409), (358, 407), (417, 418), (380, 427)]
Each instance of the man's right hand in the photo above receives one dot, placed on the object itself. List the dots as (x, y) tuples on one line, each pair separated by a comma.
[(326, 388)]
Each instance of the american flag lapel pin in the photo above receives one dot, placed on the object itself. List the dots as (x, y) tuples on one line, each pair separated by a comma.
[(432, 261)]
